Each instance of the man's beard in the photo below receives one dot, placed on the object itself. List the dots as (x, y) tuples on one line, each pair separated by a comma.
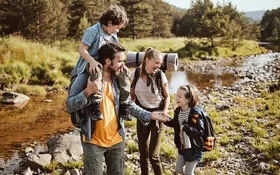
[(113, 71)]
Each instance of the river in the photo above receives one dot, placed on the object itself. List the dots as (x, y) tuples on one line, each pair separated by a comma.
[(44, 117)]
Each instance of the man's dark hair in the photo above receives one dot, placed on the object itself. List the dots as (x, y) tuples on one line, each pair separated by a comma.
[(114, 13), (109, 50)]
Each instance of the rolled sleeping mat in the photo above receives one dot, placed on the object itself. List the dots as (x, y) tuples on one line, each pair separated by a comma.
[(170, 60)]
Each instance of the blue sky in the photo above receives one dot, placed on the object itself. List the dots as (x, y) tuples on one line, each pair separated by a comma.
[(242, 5)]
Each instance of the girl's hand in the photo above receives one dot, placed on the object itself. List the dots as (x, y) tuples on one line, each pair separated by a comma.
[(159, 116)]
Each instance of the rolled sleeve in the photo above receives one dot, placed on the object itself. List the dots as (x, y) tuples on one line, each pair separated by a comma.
[(139, 112), (76, 98)]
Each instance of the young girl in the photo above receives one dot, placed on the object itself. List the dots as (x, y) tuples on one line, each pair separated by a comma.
[(188, 124)]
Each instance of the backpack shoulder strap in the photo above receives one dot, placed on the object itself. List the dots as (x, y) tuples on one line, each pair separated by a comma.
[(136, 77), (159, 82), (194, 114)]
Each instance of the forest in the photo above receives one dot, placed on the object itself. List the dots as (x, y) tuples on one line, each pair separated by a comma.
[(51, 20)]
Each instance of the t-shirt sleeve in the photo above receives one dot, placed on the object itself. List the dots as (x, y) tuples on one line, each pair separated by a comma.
[(88, 37), (163, 78), (131, 77)]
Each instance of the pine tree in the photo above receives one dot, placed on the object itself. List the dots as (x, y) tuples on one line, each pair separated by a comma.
[(162, 19), (76, 12), (82, 26), (60, 17)]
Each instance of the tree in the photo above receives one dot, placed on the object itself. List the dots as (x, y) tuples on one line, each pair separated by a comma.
[(270, 25), (3, 10), (82, 26), (40, 25), (162, 19), (140, 18), (76, 12), (60, 18)]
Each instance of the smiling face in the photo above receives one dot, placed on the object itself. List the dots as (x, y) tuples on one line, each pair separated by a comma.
[(181, 99), (117, 63), (153, 64), (110, 29)]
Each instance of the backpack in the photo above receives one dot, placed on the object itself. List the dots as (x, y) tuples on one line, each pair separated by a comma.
[(76, 116), (209, 135), (157, 78)]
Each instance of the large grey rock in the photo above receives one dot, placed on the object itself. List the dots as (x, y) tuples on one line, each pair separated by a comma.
[(33, 162), (65, 148)]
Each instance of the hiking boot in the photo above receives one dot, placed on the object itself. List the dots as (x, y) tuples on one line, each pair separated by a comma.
[(124, 112), (94, 109)]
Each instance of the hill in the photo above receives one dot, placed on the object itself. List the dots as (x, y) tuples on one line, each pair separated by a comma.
[(255, 15)]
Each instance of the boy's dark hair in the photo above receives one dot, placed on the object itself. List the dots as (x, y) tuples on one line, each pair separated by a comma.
[(109, 50), (114, 13)]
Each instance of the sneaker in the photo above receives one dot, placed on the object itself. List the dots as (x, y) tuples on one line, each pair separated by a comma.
[(125, 113), (94, 108)]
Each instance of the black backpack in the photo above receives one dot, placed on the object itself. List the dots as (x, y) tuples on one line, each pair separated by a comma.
[(209, 135)]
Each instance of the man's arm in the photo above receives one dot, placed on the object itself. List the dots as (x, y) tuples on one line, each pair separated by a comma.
[(81, 89), (146, 116)]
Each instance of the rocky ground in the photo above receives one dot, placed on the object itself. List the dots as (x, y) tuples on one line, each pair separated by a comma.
[(250, 76), (67, 147)]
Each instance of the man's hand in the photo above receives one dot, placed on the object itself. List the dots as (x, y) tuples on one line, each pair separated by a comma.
[(157, 115), (92, 87)]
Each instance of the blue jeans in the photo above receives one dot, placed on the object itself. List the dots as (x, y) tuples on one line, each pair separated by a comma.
[(114, 159)]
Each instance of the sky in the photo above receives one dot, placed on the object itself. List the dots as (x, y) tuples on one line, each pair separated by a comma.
[(241, 5)]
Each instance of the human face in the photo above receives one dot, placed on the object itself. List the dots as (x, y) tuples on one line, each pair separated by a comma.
[(118, 62), (181, 99), (110, 29), (153, 64)]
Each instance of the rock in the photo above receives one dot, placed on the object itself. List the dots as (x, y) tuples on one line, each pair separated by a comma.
[(27, 171), (17, 99), (14, 98), (222, 107), (33, 162), (29, 150), (65, 148)]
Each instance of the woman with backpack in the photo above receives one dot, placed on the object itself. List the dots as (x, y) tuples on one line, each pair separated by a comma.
[(149, 89), (188, 124)]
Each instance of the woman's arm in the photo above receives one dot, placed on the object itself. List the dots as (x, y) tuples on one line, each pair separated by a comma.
[(166, 98)]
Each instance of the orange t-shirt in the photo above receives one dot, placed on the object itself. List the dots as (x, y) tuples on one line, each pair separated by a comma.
[(106, 133)]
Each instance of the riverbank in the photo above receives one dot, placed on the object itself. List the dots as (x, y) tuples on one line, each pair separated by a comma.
[(245, 117)]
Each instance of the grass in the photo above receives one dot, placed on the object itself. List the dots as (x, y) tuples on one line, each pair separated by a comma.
[(33, 63)]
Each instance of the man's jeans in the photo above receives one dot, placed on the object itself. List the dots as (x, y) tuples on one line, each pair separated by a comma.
[(114, 159)]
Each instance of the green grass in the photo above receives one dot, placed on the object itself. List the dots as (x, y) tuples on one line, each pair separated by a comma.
[(32, 63), (131, 146)]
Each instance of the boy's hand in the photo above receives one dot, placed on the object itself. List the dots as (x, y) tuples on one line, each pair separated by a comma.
[(93, 66), (125, 68)]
